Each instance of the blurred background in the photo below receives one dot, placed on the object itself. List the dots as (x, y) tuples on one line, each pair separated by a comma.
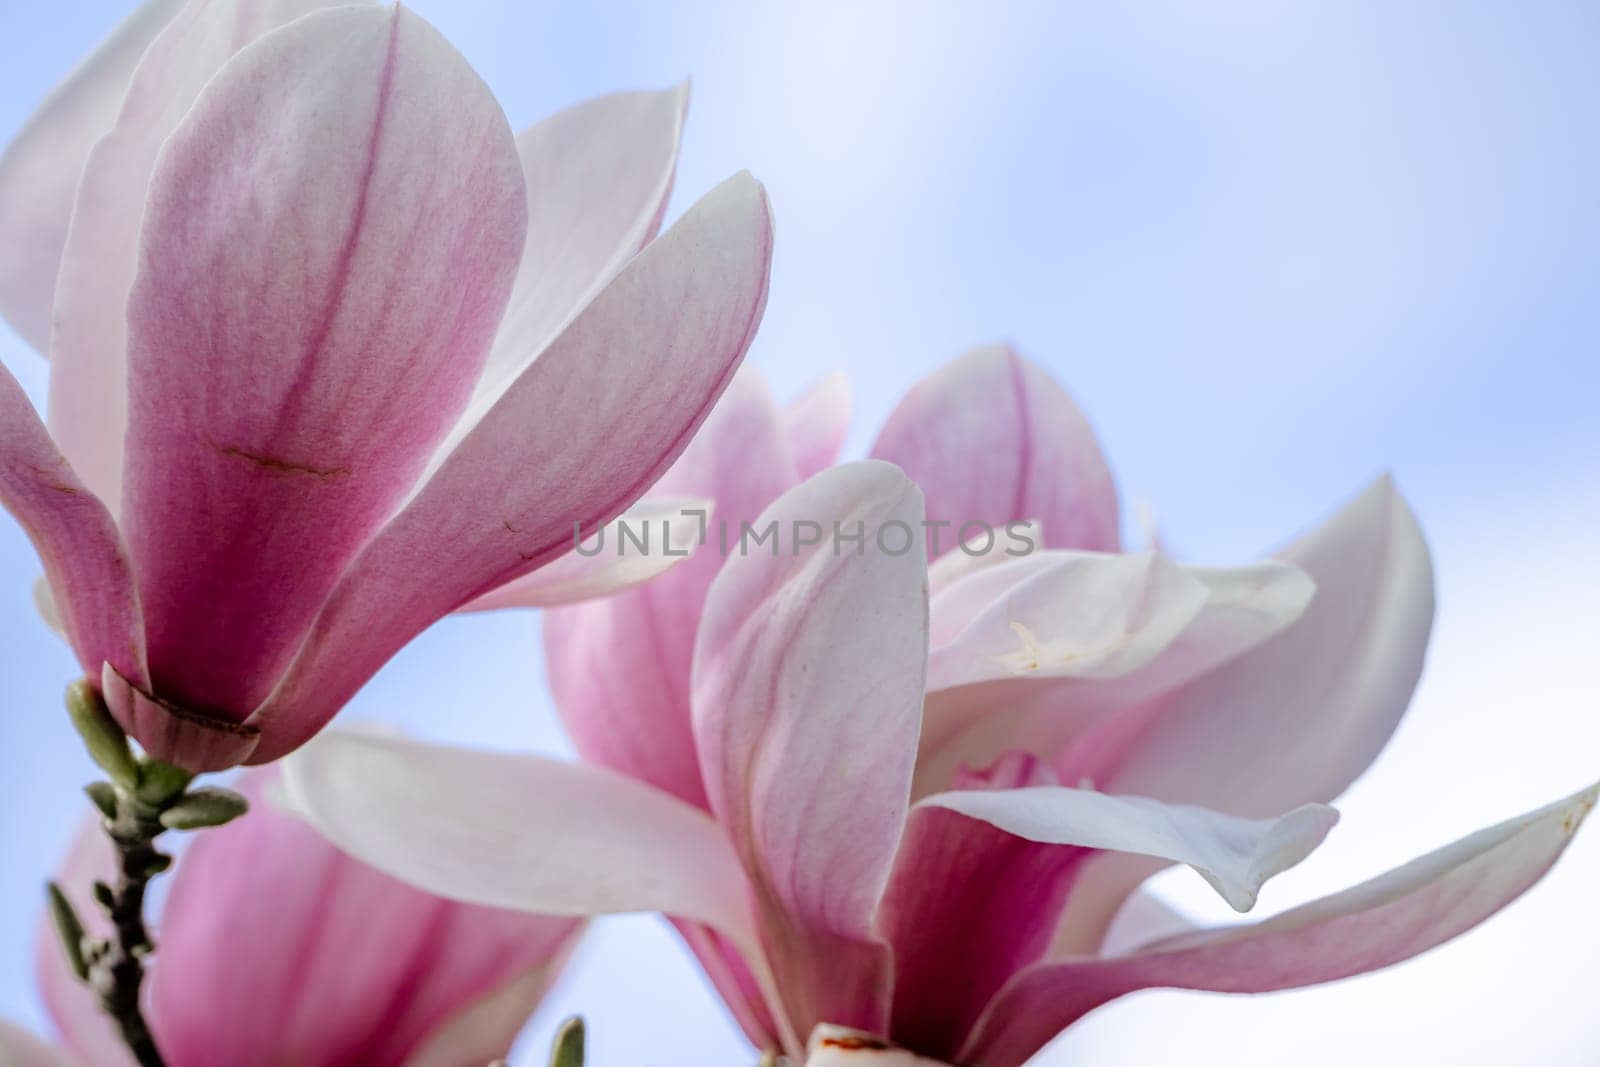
[(1273, 250)]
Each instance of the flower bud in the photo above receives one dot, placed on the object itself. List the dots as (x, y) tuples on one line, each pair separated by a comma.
[(204, 807), (107, 744)]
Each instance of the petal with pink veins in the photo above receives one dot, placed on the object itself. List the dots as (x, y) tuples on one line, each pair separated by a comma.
[(619, 668), (579, 437), (484, 1030), (88, 411), (817, 422), (40, 168), (400, 972), (642, 543), (598, 176), (319, 284), (85, 564), (1379, 923), (808, 684), (991, 438), (969, 898)]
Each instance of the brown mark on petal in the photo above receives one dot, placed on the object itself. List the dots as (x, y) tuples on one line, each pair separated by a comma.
[(854, 1043), (1575, 816), (51, 479), (191, 738), (281, 466)]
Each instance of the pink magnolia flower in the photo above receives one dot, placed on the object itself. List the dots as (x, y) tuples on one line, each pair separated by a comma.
[(295, 413), (277, 948), (908, 799)]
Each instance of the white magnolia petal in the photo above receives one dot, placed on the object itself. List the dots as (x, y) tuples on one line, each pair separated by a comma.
[(598, 176), (40, 167), (516, 831), (1236, 856), (1059, 615), (1048, 710), (984, 549)]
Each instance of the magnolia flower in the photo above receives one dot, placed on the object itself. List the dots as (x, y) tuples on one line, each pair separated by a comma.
[(915, 816), (295, 414), (277, 948)]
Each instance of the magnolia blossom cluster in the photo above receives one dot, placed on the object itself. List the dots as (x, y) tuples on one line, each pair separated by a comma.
[(901, 809), (334, 353)]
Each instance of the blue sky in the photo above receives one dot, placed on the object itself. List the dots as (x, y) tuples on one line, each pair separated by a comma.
[(1273, 249)]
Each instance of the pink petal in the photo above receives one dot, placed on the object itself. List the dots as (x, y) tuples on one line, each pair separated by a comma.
[(518, 832), (817, 422), (319, 284), (483, 1031), (838, 1046), (619, 669), (174, 733), (991, 438), (734, 982), (19, 1048), (85, 1030), (644, 542), (525, 833), (1298, 718), (807, 697), (1376, 924), (971, 899), (77, 541), (39, 169), (577, 439), (341, 964), (598, 176), (89, 380)]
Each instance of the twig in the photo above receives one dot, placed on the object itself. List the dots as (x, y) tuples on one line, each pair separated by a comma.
[(116, 968)]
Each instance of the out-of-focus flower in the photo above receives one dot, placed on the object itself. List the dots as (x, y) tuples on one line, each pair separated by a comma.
[(916, 816), (277, 948), (293, 310)]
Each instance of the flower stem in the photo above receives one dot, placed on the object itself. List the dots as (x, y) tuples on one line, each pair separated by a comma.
[(116, 965), (144, 798)]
